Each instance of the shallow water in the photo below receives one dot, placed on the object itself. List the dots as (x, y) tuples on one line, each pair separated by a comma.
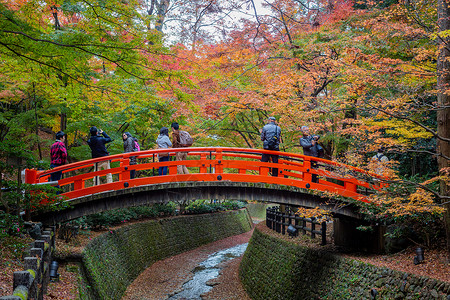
[(207, 270)]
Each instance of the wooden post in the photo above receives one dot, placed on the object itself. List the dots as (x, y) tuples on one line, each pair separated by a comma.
[(22, 278), (32, 263), (278, 221), (313, 227), (324, 233)]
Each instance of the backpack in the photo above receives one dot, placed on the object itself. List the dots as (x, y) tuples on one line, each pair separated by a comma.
[(320, 151), (136, 146), (185, 139), (379, 157), (272, 144)]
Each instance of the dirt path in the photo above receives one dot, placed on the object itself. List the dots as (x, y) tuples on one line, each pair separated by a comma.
[(166, 277)]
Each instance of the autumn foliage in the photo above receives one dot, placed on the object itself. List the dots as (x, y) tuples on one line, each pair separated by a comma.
[(362, 74)]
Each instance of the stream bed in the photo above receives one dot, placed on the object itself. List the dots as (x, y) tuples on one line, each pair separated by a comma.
[(207, 270)]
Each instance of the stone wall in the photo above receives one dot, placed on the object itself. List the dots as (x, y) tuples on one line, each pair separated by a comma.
[(113, 260), (276, 269)]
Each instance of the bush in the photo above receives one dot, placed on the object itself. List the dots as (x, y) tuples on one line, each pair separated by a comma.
[(202, 206), (10, 225), (120, 215)]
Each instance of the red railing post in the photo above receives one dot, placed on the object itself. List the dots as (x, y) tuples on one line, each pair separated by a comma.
[(263, 171), (173, 168), (203, 168), (78, 184), (125, 163), (350, 186), (31, 176), (219, 164), (307, 176)]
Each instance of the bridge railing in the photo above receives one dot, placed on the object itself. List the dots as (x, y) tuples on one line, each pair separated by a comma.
[(213, 164)]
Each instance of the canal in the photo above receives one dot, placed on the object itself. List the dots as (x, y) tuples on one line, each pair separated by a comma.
[(208, 272)]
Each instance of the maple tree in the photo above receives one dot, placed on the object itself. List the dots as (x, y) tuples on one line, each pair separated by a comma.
[(361, 78)]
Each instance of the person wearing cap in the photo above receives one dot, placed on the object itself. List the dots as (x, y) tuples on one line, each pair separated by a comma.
[(58, 155), (97, 143), (271, 136)]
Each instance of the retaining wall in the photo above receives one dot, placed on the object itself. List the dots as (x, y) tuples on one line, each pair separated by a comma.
[(113, 260), (276, 269)]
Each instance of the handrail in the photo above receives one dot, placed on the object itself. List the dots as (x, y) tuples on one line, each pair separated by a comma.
[(214, 164)]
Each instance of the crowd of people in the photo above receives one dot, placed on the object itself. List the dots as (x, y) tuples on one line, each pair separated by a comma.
[(97, 143), (270, 136)]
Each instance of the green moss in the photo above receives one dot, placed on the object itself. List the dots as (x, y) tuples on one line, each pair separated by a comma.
[(32, 272), (21, 291), (113, 260)]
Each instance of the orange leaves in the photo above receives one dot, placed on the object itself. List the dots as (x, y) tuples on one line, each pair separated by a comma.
[(419, 202)]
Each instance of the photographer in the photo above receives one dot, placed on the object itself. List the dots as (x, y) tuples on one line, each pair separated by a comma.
[(97, 144), (311, 148)]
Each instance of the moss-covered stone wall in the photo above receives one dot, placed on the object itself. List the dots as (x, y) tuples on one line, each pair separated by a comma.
[(276, 269), (113, 260)]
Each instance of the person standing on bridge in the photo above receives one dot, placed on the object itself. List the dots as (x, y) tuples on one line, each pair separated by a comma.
[(129, 145), (58, 154), (271, 136), (181, 169), (98, 149), (380, 161), (163, 142), (311, 148)]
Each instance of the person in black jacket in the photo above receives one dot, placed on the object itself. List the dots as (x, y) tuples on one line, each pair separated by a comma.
[(98, 149), (271, 136), (310, 148)]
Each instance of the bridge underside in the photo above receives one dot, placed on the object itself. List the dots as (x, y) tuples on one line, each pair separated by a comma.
[(188, 191)]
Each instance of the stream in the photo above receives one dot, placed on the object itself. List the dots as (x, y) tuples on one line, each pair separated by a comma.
[(207, 270)]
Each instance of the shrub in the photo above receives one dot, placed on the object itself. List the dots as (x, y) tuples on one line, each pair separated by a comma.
[(203, 206), (10, 225), (120, 215)]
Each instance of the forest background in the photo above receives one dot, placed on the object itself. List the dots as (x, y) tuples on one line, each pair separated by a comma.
[(362, 74)]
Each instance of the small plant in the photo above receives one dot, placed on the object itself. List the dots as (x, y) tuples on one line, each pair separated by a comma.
[(15, 246)]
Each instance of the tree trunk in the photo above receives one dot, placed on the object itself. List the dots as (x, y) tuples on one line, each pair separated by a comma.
[(161, 11), (443, 114)]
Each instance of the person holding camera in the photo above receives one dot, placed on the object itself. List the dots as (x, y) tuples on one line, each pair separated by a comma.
[(97, 143), (311, 147)]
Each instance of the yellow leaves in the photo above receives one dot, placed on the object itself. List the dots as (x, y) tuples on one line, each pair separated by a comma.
[(406, 132), (319, 214), (441, 34)]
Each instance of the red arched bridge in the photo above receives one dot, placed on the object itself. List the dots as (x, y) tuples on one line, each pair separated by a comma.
[(215, 173)]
